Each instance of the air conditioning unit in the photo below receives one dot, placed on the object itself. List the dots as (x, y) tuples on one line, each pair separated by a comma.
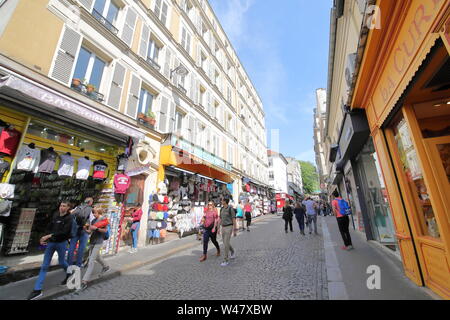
[(350, 69)]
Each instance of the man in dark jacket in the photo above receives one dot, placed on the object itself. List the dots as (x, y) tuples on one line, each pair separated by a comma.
[(58, 232), (287, 216), (81, 215)]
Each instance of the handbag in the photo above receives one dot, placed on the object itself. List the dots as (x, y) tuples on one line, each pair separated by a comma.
[(134, 226)]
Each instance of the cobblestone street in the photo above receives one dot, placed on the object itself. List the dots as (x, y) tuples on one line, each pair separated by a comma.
[(269, 264)]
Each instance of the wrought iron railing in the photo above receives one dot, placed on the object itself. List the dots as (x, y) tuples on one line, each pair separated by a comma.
[(153, 63), (108, 25), (94, 95)]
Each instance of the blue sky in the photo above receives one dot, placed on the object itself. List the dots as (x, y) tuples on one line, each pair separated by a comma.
[(283, 46)]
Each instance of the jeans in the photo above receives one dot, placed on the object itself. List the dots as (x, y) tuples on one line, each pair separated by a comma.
[(286, 222), (60, 248), (209, 235), (83, 239), (94, 255), (226, 238), (311, 219), (135, 233), (301, 221), (343, 223)]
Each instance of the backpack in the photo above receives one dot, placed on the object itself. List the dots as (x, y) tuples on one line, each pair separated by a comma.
[(107, 233), (344, 208), (82, 214)]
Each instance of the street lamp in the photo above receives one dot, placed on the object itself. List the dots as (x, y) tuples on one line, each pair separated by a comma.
[(180, 70)]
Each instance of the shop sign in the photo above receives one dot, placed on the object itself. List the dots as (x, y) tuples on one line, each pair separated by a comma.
[(62, 103), (137, 171), (416, 27)]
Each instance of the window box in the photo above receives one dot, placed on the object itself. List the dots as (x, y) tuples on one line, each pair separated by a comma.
[(86, 90), (147, 120)]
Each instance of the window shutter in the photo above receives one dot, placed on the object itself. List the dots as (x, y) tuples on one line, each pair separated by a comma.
[(133, 96), (128, 28), (163, 114), (158, 8), (171, 116), (183, 37), (145, 37), (188, 43), (193, 92), (175, 76), (65, 56), (191, 129), (164, 13), (199, 55), (115, 92), (166, 69), (87, 4), (208, 102)]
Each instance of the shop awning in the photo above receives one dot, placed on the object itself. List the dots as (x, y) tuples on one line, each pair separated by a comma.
[(172, 156), (46, 100)]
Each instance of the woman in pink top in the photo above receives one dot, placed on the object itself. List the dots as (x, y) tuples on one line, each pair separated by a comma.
[(210, 219), (248, 214)]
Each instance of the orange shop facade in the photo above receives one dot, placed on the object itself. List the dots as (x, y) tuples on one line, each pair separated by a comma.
[(404, 87)]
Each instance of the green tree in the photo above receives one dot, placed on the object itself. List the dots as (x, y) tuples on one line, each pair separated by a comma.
[(309, 176)]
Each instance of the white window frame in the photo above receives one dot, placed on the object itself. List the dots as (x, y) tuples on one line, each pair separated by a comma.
[(90, 66), (106, 9), (178, 114), (187, 45)]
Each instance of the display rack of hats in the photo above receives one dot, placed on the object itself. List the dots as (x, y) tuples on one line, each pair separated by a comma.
[(112, 211), (157, 219), (40, 185), (266, 205)]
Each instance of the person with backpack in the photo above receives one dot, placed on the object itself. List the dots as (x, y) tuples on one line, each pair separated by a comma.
[(287, 216), (210, 219), (227, 221), (311, 214), (341, 210), (57, 234), (99, 231), (81, 216), (300, 214)]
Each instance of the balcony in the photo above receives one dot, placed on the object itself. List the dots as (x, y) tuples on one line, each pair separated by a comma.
[(153, 63), (108, 25), (87, 91)]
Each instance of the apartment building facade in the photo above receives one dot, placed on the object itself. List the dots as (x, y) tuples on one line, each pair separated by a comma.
[(294, 178), (320, 114), (161, 74), (278, 172)]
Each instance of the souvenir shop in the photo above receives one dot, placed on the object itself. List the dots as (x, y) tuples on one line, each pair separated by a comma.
[(47, 158), (186, 185), (257, 196)]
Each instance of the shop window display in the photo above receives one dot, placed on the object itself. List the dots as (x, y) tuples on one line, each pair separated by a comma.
[(414, 177)]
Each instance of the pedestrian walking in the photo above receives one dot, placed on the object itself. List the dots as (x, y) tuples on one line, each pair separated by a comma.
[(57, 234), (287, 217), (300, 215), (240, 215), (135, 225), (81, 215), (342, 220), (228, 226), (311, 214), (210, 221), (248, 214), (97, 229)]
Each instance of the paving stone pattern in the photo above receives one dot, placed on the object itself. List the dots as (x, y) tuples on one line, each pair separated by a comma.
[(269, 264)]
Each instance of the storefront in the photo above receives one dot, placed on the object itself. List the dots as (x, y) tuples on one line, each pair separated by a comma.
[(407, 101), (188, 178), (257, 195), (54, 148)]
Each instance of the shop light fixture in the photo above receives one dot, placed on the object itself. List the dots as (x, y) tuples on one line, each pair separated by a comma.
[(178, 169), (448, 102)]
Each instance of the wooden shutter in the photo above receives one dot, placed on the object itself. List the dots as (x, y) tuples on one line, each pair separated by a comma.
[(166, 68), (188, 43), (183, 37), (115, 91), (87, 4), (164, 13), (128, 28), (193, 92), (199, 55), (158, 8), (133, 96), (191, 128), (163, 114), (171, 116), (145, 37), (65, 56), (175, 76)]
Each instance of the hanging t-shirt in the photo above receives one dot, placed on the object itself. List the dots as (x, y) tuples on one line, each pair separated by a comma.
[(9, 141), (84, 166), (28, 159), (66, 166), (4, 166), (122, 162), (121, 183), (100, 169), (48, 161)]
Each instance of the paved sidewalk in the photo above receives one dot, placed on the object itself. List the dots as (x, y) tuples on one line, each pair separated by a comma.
[(347, 270), (120, 263)]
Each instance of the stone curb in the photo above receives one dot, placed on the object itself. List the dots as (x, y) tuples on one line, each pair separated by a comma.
[(136, 265)]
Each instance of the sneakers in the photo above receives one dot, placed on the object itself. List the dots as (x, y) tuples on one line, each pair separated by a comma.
[(233, 256), (350, 247), (203, 258), (224, 264), (133, 250), (35, 294), (344, 248), (105, 269), (248, 230)]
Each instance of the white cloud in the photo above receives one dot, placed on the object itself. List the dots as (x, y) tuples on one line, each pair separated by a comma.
[(233, 19)]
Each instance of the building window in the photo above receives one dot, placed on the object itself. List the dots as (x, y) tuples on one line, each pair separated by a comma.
[(145, 101), (153, 50), (178, 125), (107, 9), (89, 68), (161, 9), (186, 40)]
